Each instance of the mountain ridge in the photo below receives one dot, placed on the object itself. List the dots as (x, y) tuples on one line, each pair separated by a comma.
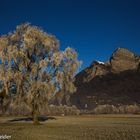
[(113, 82)]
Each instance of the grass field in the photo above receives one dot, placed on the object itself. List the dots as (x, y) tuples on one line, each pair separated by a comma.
[(94, 127)]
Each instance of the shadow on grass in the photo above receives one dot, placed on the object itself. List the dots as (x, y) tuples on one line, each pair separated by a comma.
[(28, 119)]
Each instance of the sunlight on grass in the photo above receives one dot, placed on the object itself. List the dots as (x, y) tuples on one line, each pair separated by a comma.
[(97, 127)]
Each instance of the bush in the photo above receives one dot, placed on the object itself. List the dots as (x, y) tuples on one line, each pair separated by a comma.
[(63, 110), (129, 109), (23, 109), (105, 109), (111, 109)]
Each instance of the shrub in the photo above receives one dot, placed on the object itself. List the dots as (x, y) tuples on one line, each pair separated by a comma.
[(21, 109), (105, 109), (132, 109), (129, 109), (111, 109), (63, 110)]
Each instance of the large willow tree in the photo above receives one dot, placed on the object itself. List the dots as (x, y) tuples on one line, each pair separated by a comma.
[(32, 61)]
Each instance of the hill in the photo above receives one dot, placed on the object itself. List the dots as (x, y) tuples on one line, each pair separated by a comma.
[(115, 82)]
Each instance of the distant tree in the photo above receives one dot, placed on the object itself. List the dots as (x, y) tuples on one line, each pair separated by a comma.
[(33, 69)]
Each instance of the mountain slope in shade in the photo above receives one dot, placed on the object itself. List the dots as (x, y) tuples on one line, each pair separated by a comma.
[(116, 81)]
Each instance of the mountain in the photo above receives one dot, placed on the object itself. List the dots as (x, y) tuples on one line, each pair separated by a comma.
[(115, 82)]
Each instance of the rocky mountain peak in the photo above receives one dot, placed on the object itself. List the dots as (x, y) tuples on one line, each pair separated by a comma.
[(113, 82), (123, 59)]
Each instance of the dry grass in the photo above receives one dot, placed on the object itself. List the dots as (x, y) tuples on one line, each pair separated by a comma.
[(95, 127)]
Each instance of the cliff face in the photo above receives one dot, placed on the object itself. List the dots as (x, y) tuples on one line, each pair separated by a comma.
[(114, 82)]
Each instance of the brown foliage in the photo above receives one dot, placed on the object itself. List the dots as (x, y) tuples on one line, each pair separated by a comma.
[(31, 59)]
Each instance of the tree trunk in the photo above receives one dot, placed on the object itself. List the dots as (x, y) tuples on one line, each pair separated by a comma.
[(35, 115), (6, 88), (35, 118)]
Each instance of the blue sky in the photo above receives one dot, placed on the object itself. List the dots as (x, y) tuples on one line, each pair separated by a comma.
[(95, 28)]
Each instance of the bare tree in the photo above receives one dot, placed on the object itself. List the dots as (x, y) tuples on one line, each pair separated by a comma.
[(32, 61)]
